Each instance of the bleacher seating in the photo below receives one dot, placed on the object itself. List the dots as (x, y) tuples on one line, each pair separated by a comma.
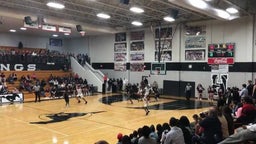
[(43, 74)]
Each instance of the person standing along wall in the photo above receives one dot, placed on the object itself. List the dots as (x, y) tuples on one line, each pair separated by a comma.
[(188, 90)]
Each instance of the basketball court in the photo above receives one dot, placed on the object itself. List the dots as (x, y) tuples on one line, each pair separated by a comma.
[(102, 118)]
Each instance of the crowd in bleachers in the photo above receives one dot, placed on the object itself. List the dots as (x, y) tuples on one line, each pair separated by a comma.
[(83, 58), (54, 85), (33, 55), (230, 121), (209, 127), (59, 84)]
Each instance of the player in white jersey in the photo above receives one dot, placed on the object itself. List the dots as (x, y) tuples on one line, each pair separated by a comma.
[(146, 98), (80, 94)]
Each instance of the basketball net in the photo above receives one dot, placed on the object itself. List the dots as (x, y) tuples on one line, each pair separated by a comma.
[(157, 72), (82, 33)]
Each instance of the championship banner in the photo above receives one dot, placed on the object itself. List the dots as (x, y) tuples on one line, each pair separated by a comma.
[(49, 28), (64, 29)]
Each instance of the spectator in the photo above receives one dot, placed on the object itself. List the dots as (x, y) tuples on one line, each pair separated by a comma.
[(119, 138), (145, 139), (243, 134), (101, 142), (211, 127), (175, 135), (153, 133), (166, 129), (244, 91), (227, 112), (126, 140)]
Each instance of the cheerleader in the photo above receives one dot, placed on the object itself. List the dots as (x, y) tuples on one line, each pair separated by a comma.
[(200, 90), (210, 94)]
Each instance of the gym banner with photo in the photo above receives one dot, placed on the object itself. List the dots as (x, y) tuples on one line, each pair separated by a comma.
[(195, 41), (194, 55), (120, 66), (120, 37), (164, 44), (195, 37), (137, 56), (120, 47), (137, 46), (164, 55), (137, 67), (120, 56)]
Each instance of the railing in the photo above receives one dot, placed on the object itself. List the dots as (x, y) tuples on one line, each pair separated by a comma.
[(98, 73), (86, 73)]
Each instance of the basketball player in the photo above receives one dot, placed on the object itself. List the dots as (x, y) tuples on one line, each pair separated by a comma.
[(146, 99), (80, 94), (66, 97), (129, 92)]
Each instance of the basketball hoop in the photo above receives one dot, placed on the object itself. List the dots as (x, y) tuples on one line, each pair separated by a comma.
[(82, 33)]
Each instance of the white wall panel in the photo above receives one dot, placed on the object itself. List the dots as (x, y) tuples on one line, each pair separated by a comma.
[(12, 39), (102, 48), (77, 45)]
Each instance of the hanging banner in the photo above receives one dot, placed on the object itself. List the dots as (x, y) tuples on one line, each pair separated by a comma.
[(49, 28), (64, 29)]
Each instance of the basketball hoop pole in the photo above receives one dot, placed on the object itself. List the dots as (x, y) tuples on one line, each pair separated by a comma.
[(159, 43)]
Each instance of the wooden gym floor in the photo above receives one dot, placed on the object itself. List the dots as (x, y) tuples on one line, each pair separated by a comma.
[(103, 117)]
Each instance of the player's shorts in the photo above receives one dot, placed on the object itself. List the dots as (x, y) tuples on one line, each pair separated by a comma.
[(80, 95)]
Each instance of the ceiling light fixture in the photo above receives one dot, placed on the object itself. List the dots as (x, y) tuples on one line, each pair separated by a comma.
[(12, 30), (222, 14), (103, 15), (136, 10), (55, 35), (23, 28), (232, 10), (56, 5), (198, 4), (169, 19), (137, 23)]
